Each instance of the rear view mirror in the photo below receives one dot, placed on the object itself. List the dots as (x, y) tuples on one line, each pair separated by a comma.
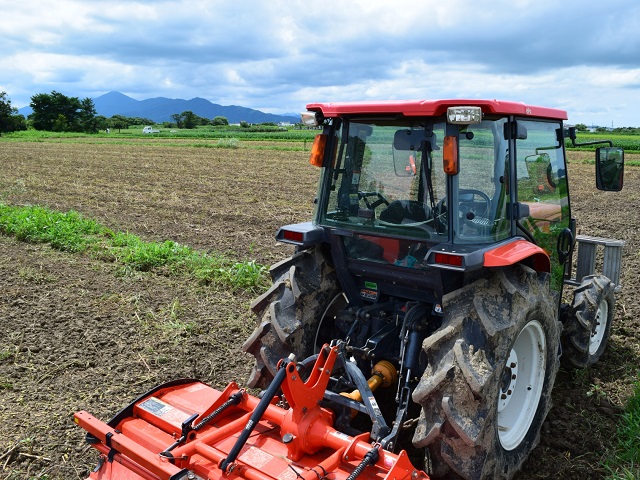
[(515, 130), (408, 150), (609, 169), (408, 139)]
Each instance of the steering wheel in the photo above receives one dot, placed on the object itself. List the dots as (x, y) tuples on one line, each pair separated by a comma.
[(470, 211), (364, 196)]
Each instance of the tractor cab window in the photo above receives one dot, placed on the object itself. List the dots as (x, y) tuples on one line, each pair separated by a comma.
[(387, 181), (481, 193), (542, 186)]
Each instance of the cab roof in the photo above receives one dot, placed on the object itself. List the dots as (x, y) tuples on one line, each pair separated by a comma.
[(413, 108)]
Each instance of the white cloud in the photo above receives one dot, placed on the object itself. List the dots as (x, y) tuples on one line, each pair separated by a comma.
[(280, 55)]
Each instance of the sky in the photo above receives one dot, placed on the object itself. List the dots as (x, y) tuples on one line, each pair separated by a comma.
[(278, 55)]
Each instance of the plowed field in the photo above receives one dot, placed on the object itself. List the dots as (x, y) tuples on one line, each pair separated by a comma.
[(79, 333)]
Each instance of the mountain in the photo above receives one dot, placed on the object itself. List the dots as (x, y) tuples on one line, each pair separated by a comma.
[(113, 103), (160, 109)]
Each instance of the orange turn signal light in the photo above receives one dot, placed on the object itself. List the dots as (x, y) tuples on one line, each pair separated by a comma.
[(317, 150), (450, 155)]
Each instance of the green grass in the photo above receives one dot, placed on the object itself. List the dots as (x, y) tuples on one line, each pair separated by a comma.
[(230, 136), (204, 137), (630, 143), (64, 231), (624, 462), (71, 232), (272, 134)]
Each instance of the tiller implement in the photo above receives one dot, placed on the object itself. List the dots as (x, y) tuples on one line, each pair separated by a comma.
[(188, 430)]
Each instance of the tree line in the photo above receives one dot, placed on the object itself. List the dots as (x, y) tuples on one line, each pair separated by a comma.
[(55, 112), (10, 119)]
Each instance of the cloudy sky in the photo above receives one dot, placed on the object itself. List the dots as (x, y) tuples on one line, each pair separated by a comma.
[(278, 55)]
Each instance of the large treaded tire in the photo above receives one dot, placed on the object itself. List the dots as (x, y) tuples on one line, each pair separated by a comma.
[(290, 311), (587, 322), (466, 366)]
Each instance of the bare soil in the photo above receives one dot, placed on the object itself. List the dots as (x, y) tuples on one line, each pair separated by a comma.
[(82, 334)]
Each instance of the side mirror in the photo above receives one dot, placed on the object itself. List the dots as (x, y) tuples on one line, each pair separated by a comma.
[(609, 169)]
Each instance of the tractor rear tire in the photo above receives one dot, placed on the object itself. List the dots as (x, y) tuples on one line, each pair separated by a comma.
[(587, 322), (304, 285), (490, 370)]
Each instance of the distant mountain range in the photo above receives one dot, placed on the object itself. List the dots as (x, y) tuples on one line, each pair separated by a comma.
[(160, 109)]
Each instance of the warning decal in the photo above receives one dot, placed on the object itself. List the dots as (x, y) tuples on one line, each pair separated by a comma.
[(164, 411), (255, 457)]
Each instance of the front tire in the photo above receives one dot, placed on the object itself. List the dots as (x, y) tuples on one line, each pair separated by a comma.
[(587, 323), (490, 370)]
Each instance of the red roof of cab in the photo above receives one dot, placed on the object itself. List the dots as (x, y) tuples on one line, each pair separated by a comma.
[(412, 108)]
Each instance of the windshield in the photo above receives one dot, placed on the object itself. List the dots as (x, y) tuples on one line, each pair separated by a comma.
[(388, 187)]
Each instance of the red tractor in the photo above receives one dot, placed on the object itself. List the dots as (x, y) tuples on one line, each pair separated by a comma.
[(422, 310)]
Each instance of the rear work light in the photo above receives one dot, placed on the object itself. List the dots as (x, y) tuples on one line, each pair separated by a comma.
[(311, 119), (448, 259), (464, 115)]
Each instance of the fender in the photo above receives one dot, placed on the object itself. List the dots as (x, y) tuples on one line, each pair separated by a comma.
[(515, 252)]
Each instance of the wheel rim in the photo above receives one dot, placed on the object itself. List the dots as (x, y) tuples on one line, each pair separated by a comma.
[(599, 327), (521, 385)]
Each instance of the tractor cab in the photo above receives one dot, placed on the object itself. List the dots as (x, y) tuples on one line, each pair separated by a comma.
[(442, 185)]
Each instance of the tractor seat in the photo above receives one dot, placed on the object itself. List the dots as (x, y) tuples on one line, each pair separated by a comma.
[(409, 210)]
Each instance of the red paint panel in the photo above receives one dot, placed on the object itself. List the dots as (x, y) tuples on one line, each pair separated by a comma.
[(515, 252), (435, 108)]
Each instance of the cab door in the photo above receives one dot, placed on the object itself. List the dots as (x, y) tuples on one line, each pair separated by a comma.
[(542, 190)]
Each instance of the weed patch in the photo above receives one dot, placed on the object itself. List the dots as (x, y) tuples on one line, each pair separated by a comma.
[(71, 232), (64, 231)]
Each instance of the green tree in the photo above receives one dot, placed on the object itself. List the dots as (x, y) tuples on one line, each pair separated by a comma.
[(119, 122), (177, 117), (141, 121), (581, 127), (58, 113), (10, 120), (86, 116), (219, 121), (189, 119), (101, 122)]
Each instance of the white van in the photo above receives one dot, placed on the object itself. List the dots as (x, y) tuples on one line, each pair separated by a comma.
[(149, 129)]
